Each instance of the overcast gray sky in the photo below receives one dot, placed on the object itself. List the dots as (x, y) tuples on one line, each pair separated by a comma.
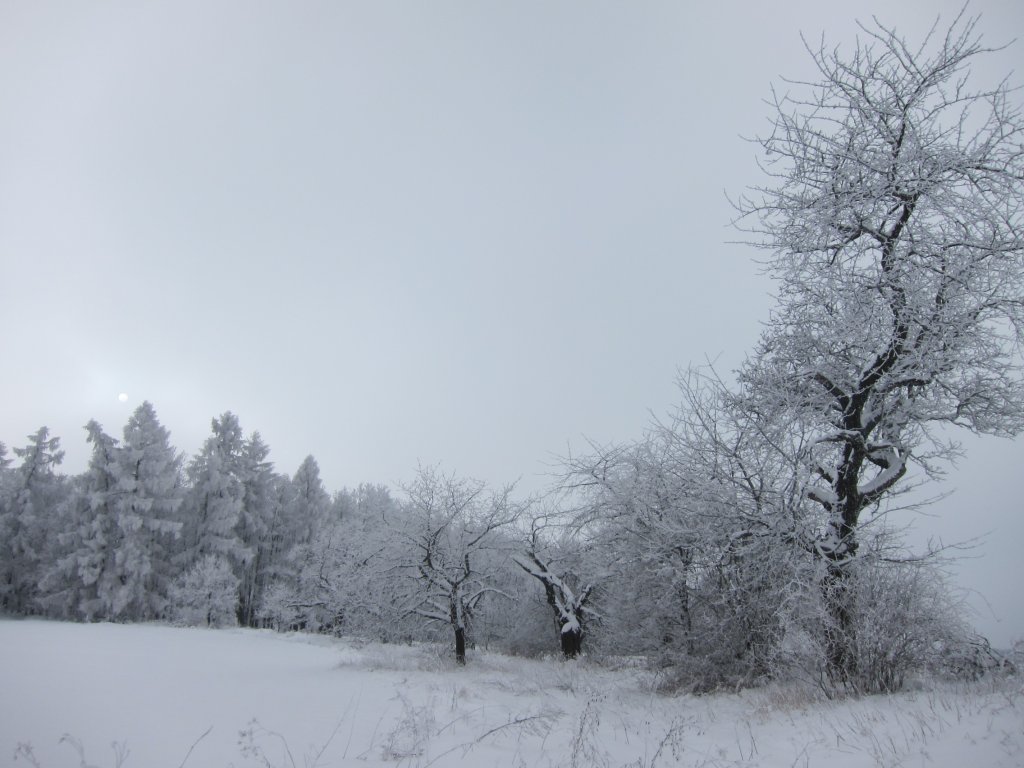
[(395, 232)]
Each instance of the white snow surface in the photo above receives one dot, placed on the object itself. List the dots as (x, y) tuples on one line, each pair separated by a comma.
[(148, 693)]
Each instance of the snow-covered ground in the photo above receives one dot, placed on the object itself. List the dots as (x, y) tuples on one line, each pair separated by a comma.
[(143, 696)]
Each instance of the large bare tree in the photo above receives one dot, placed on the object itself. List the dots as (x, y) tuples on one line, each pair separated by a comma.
[(894, 218)]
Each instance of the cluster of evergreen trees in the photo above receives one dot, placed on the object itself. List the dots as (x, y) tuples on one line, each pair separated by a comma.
[(143, 535)]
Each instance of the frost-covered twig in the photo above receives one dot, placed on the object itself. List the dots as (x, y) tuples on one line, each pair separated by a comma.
[(467, 748), (194, 744)]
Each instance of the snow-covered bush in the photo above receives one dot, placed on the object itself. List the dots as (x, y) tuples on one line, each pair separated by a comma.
[(904, 612), (971, 657), (904, 621), (277, 609), (206, 595)]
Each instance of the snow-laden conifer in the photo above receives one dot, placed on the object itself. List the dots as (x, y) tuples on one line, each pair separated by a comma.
[(145, 502), (213, 513), (28, 520)]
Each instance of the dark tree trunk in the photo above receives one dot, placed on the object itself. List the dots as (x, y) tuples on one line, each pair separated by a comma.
[(567, 608), (840, 654), (460, 645), (839, 641), (572, 642), (571, 638), (248, 589)]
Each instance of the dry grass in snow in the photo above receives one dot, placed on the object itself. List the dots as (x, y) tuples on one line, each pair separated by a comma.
[(147, 696)]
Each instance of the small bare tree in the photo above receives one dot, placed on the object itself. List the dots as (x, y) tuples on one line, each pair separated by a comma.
[(567, 604), (449, 535), (895, 222)]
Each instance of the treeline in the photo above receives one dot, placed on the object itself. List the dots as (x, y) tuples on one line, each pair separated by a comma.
[(141, 533), (661, 549), (219, 539), (224, 539)]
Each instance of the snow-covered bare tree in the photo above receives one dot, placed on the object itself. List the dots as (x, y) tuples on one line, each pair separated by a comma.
[(365, 585), (567, 603), (448, 534), (894, 219), (698, 527)]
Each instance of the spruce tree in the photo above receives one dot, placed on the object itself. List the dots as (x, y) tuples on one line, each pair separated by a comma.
[(24, 521)]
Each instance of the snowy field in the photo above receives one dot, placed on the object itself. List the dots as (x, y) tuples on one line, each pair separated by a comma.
[(143, 696)]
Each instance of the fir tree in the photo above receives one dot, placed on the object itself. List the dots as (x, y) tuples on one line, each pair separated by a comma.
[(147, 497), (93, 535), (258, 527), (24, 523)]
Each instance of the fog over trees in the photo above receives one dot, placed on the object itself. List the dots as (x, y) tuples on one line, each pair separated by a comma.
[(745, 535)]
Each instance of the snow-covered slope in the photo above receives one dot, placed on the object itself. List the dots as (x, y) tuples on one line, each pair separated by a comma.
[(144, 695)]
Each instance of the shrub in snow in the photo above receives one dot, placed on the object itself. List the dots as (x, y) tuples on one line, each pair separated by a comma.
[(206, 595), (901, 615), (972, 657), (904, 616), (276, 611), (286, 610)]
